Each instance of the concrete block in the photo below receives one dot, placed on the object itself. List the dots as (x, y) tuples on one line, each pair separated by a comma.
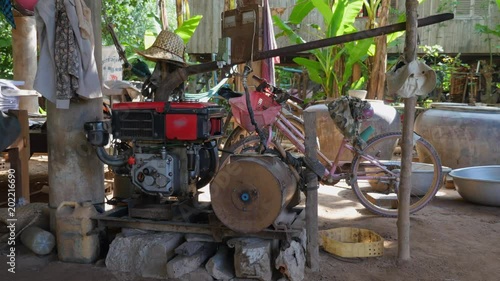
[(181, 265), (143, 255), (221, 266), (291, 261), (189, 248), (200, 274), (252, 258)]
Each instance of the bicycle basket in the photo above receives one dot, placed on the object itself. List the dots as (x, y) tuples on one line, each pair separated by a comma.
[(265, 110), (347, 113)]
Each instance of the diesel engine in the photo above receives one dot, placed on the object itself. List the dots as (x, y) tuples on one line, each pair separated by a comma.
[(167, 148)]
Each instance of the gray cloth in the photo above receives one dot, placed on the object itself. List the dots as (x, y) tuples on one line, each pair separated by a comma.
[(89, 84), (9, 130)]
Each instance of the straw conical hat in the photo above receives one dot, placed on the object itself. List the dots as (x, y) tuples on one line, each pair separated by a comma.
[(168, 46)]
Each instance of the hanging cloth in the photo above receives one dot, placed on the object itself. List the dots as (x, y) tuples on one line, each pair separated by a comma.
[(6, 7), (347, 113), (268, 72), (66, 67), (409, 80), (66, 57)]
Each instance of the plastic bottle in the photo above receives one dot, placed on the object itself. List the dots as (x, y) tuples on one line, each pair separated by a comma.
[(39, 241), (365, 135)]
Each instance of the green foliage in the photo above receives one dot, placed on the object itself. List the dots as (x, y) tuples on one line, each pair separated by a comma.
[(6, 65), (442, 64), (490, 33), (186, 30), (131, 19), (338, 19)]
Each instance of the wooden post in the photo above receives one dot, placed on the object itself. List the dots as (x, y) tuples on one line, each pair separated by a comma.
[(25, 62), (19, 156), (75, 172), (24, 50), (312, 251), (407, 144)]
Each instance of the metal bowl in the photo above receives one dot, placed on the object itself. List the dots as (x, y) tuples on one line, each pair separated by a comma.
[(422, 177), (480, 184)]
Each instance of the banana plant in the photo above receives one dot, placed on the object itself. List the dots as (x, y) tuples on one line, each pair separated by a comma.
[(338, 18)]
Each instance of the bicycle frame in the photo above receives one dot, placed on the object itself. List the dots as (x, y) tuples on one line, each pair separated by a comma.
[(297, 138)]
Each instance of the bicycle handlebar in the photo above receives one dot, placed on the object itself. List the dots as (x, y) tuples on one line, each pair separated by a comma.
[(277, 91)]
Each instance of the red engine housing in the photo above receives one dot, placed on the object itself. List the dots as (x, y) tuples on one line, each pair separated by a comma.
[(181, 121)]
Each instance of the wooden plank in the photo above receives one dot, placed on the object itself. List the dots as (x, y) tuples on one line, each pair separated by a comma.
[(19, 156), (312, 251)]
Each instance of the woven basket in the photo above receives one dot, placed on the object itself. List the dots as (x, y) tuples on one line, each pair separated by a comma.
[(349, 242)]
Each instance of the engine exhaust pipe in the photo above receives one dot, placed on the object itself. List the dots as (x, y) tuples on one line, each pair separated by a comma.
[(98, 137), (114, 161)]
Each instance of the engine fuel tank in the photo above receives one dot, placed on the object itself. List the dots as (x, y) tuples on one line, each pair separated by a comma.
[(250, 192)]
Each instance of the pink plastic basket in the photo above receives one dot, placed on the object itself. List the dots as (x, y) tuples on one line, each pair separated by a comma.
[(265, 110)]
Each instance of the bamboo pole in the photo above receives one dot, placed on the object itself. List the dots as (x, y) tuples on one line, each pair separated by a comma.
[(407, 144)]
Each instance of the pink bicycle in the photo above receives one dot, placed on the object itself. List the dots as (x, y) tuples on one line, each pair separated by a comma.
[(374, 171)]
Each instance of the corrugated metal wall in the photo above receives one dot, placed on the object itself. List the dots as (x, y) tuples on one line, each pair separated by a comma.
[(456, 36)]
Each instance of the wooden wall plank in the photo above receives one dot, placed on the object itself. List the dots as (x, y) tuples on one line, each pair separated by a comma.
[(456, 36)]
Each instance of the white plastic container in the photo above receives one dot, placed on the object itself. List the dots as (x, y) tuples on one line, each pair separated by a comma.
[(360, 94), (39, 241), (77, 240)]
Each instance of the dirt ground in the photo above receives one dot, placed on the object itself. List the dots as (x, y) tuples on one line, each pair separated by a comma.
[(450, 240)]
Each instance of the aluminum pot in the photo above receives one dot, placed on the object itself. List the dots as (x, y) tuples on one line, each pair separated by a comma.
[(480, 184)]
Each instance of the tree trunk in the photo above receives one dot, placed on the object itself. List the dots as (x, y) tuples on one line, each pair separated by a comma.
[(407, 145), (376, 84)]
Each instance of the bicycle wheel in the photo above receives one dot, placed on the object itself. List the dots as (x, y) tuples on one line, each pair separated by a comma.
[(238, 134), (245, 145), (377, 187)]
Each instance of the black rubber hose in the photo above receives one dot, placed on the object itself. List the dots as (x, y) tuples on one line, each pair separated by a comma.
[(114, 161)]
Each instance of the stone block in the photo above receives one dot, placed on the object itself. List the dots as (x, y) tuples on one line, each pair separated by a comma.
[(291, 261), (189, 248), (220, 266), (199, 274), (143, 255), (198, 237), (252, 258), (181, 265)]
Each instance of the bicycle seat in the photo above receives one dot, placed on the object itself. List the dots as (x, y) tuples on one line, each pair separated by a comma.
[(227, 93)]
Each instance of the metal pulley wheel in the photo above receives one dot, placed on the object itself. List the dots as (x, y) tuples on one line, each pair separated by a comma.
[(249, 193)]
